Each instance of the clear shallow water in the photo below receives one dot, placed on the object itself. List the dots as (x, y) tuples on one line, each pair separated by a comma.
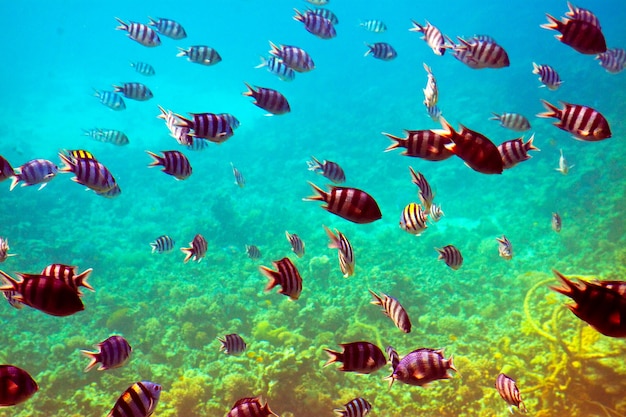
[(171, 313)]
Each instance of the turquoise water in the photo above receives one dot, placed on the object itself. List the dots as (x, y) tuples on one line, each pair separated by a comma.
[(172, 313)]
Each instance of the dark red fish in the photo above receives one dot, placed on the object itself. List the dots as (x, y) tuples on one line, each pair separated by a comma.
[(361, 357), (603, 307), (16, 385), (69, 274), (583, 122), (196, 250), (479, 53), (584, 36), (350, 203), (173, 162), (425, 144), (478, 152), (250, 407), (287, 276), (268, 99)]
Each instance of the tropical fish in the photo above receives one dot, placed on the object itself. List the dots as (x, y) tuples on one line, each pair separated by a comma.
[(36, 171), (196, 250), (232, 344), (240, 181), (287, 276), (200, 54), (143, 68), (421, 367), (44, 293), (343, 246), (394, 310), (250, 407), (253, 252), (413, 219), (316, 24), (231, 119), (583, 122), (214, 127), (139, 32), (169, 28), (112, 136), (426, 144), (139, 400), (360, 357), (4, 249), (515, 151), (431, 93), (556, 222), (268, 99), (509, 392), (162, 244), (329, 169), (432, 36), (374, 25), (513, 121), (435, 213), (394, 358), (583, 36), (277, 67), (16, 385), (295, 58), (78, 154), (434, 112), (69, 275), (602, 307), (563, 164), (325, 13), (135, 91), (425, 193), (6, 170), (548, 76), (111, 99), (578, 13), (613, 60), (451, 256), (88, 172), (505, 249), (112, 353), (297, 245), (382, 51), (112, 193), (479, 53), (358, 407), (173, 162), (349, 203)]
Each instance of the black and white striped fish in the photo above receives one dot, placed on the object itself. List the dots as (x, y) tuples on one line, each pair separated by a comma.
[(240, 181), (173, 162), (513, 121), (253, 252), (231, 119), (431, 93), (112, 193), (295, 58), (345, 252), (88, 172), (421, 367), (394, 310), (194, 143), (434, 112), (432, 36), (613, 60), (286, 275), (200, 54), (326, 13), (451, 255), (297, 245), (210, 126), (352, 204), (162, 244), (36, 171), (268, 99), (69, 275), (509, 392), (169, 28), (413, 219), (316, 24), (139, 400), (112, 353), (435, 213), (329, 169), (548, 76), (360, 357), (277, 67), (425, 192), (505, 249), (232, 344), (426, 144), (393, 356), (112, 136), (583, 122), (196, 250), (111, 99), (250, 407), (374, 25), (358, 407), (4, 249), (135, 91), (17, 385), (139, 32), (143, 68), (381, 50), (515, 151)]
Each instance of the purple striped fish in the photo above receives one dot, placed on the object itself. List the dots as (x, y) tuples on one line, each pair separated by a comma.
[(513, 121), (556, 222), (232, 344), (16, 385), (358, 407), (394, 358), (143, 68), (200, 54), (277, 67), (250, 407), (425, 144), (168, 27), (69, 275), (111, 99), (295, 58), (349, 203), (394, 310), (413, 219), (515, 151), (139, 400), (329, 169), (425, 193), (6, 170), (613, 60), (196, 250), (382, 51), (139, 32), (174, 163), (578, 13), (374, 25), (287, 276), (112, 353), (583, 122), (268, 99), (548, 76), (435, 213), (88, 172), (581, 35), (253, 252), (360, 357), (505, 249), (432, 36), (297, 245), (36, 171), (344, 249), (112, 136), (421, 367), (135, 91), (451, 255), (214, 127), (316, 24), (325, 13), (509, 392)]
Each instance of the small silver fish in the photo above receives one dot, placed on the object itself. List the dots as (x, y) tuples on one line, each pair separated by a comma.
[(505, 249), (563, 167), (431, 93)]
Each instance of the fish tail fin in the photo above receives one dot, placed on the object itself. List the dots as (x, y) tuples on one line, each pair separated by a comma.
[(14, 181), (495, 116), (152, 21), (94, 358), (416, 27), (427, 68), (369, 50), (81, 279), (69, 164), (415, 177), (117, 88), (271, 275), (163, 114), (250, 91), (320, 196), (299, 16), (334, 240), (528, 146), (451, 364), (9, 281), (223, 343), (182, 51), (391, 378), (377, 300), (123, 25), (553, 23), (156, 159), (536, 68), (188, 254), (275, 49), (447, 131), (263, 62), (339, 412), (568, 288), (553, 111), (397, 142), (333, 357)]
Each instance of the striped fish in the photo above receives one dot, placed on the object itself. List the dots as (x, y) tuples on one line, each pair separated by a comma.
[(278, 68), (169, 28), (139, 32), (394, 310), (613, 60), (349, 203), (200, 54), (426, 144), (112, 136), (381, 50), (434, 112), (88, 172), (326, 13), (345, 252), (174, 163), (509, 392), (431, 93), (268, 99), (196, 144), (505, 249), (196, 250), (329, 169), (316, 24), (556, 222), (295, 58), (287, 276), (231, 119), (435, 213), (374, 25), (139, 400), (69, 275), (232, 344), (240, 181), (425, 193), (44, 293), (4, 249), (112, 193), (583, 122), (548, 76), (421, 367), (250, 407), (211, 126), (513, 121), (479, 54), (162, 244), (36, 171), (413, 219), (111, 100), (135, 91), (432, 36), (581, 35), (451, 256), (143, 68), (112, 353), (515, 151), (578, 13), (360, 357), (253, 252), (6, 170), (394, 358), (78, 154), (358, 407), (16, 385), (297, 245)]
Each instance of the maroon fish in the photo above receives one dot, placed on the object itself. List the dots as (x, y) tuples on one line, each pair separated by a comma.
[(196, 250), (16, 385), (479, 53), (361, 357), (583, 122), (287, 276), (250, 407), (350, 203), (174, 163), (425, 144), (268, 99), (69, 274), (585, 37), (112, 353)]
